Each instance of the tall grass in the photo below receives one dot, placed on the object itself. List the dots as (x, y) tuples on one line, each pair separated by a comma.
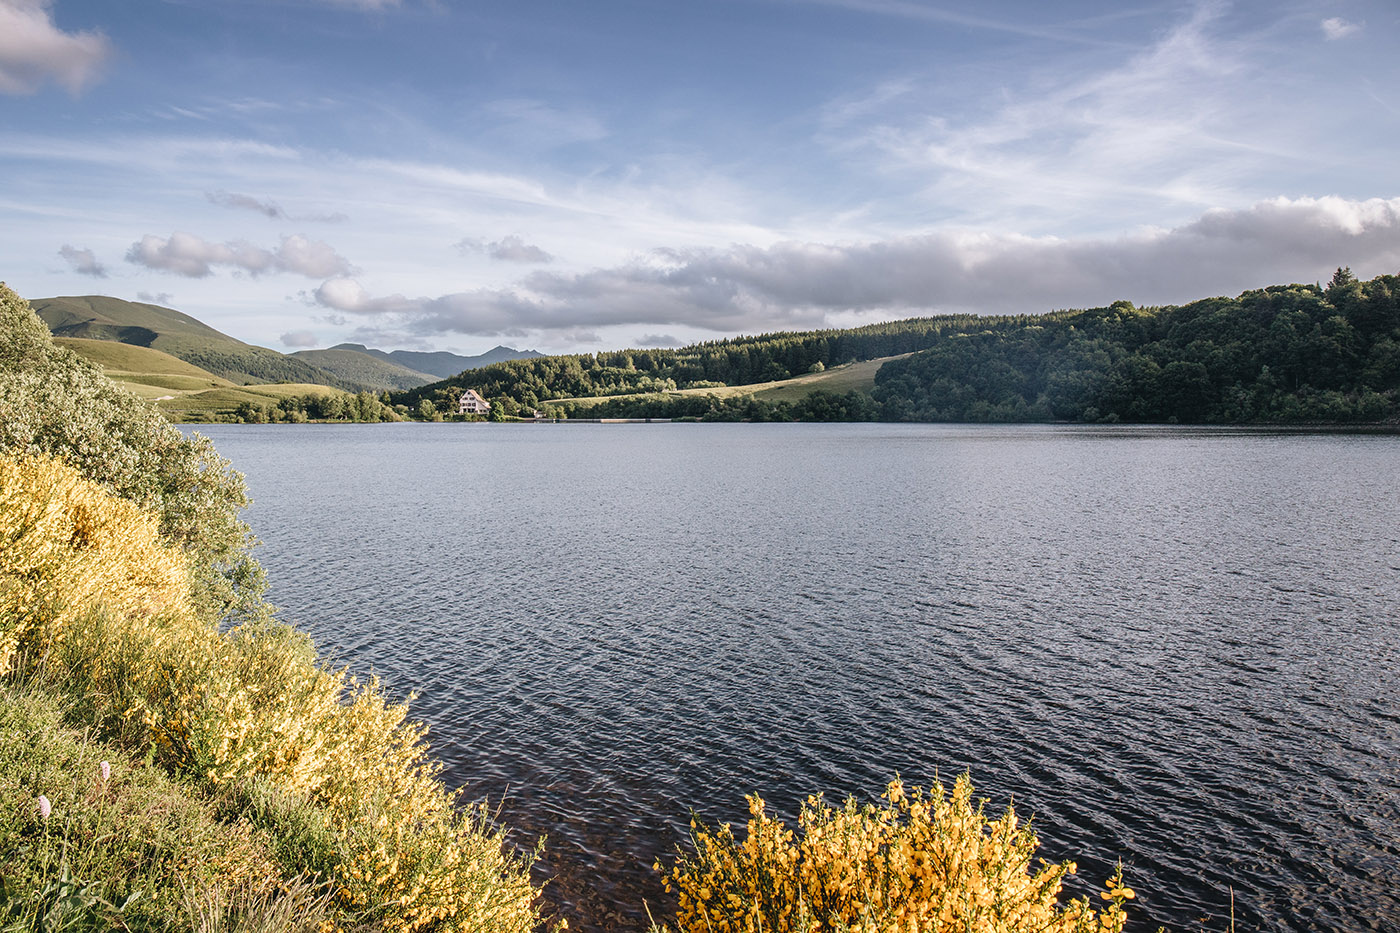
[(92, 839), (94, 606)]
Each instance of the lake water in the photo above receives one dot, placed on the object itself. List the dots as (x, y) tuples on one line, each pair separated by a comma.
[(1173, 647)]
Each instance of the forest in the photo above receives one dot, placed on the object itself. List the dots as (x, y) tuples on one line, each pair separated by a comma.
[(1281, 354)]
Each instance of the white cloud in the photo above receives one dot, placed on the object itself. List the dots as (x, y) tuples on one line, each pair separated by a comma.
[(310, 258), (33, 49), (83, 261), (1337, 28), (188, 255), (804, 285), (164, 299), (507, 249), (301, 339)]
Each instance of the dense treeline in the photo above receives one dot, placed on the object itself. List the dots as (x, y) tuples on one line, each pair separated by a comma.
[(1290, 353), (259, 365), (816, 406), (299, 409), (1287, 353), (737, 361)]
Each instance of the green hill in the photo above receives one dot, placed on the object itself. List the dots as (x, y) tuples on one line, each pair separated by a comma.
[(97, 317), (848, 377), (370, 369), (144, 371)]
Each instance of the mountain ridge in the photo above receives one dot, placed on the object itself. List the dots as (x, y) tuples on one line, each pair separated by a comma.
[(441, 364)]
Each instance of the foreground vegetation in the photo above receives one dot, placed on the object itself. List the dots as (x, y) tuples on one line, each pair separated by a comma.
[(133, 631), (917, 864), (173, 758)]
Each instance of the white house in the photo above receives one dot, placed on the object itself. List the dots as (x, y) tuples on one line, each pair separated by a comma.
[(473, 404)]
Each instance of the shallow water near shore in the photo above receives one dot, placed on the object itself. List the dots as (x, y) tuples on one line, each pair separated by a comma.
[(1176, 647)]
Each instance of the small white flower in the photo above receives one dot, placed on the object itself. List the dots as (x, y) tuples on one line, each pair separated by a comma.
[(106, 771), (45, 808)]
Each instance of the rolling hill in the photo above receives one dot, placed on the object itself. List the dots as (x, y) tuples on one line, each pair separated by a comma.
[(147, 372), (97, 317), (370, 368)]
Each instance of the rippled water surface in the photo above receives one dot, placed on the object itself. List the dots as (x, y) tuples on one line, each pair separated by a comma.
[(1174, 647)]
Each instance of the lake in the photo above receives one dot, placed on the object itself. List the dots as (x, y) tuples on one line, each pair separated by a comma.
[(1173, 647)]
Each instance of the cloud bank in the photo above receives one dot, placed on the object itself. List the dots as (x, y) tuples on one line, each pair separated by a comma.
[(188, 255), (33, 50), (804, 285)]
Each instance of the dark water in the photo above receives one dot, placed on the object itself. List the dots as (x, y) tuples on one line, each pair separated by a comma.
[(1174, 647)]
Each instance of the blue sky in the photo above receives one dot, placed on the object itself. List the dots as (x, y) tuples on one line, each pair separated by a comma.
[(591, 174)]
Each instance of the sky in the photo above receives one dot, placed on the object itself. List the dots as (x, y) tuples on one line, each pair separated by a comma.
[(580, 175)]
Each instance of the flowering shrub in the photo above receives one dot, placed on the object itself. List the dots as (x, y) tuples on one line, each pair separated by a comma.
[(93, 601), (916, 864), (68, 548)]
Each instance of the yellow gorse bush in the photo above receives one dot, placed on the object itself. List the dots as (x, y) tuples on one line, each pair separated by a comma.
[(919, 863), (68, 548), (89, 594)]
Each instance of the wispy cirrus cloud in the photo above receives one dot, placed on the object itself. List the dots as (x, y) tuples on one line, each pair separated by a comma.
[(191, 256), (1173, 127), (365, 4), (802, 284), (34, 50), (270, 209), (83, 261)]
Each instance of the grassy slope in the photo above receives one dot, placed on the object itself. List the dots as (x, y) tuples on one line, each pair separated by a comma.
[(99, 317), (202, 406), (184, 392), (365, 369), (859, 377), (146, 372)]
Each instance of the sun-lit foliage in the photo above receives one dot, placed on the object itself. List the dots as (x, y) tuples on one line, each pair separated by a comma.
[(67, 548), (918, 863), (55, 404), (93, 604)]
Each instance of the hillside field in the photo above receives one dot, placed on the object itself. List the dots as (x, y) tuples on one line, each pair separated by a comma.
[(859, 377), (208, 405)]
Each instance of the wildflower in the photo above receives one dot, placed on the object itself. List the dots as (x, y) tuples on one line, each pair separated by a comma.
[(106, 771), (45, 808)]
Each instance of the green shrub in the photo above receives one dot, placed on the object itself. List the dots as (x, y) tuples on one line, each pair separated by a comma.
[(54, 403)]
